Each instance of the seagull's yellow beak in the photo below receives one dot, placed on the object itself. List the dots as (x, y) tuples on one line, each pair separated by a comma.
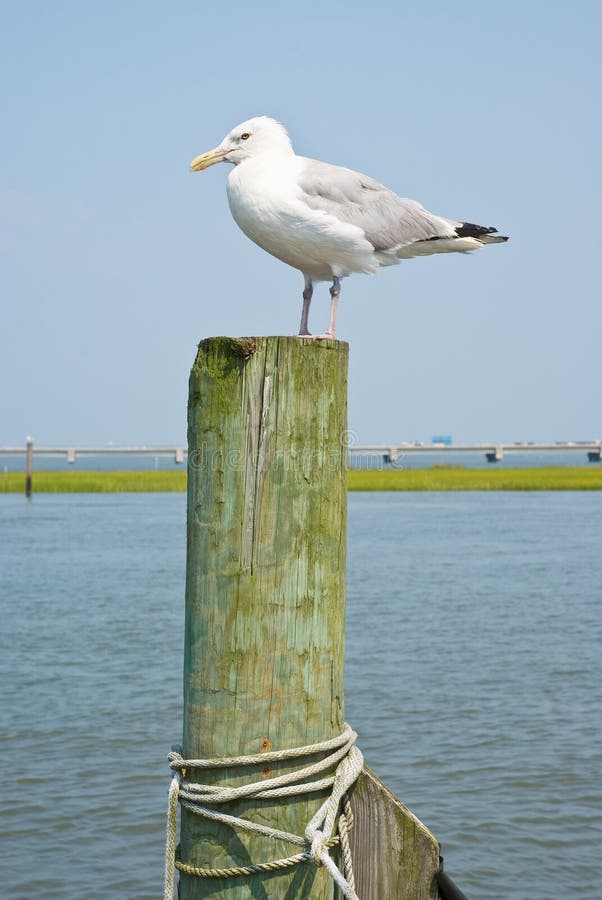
[(208, 159)]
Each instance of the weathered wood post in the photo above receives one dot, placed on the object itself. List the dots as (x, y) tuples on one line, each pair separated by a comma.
[(265, 594), (28, 467)]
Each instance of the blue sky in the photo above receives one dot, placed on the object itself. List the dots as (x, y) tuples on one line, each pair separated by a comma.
[(115, 260)]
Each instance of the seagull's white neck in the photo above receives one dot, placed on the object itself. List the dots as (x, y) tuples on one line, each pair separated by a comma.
[(260, 184)]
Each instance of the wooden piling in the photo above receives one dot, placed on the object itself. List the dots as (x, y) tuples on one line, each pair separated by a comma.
[(265, 595), (28, 468)]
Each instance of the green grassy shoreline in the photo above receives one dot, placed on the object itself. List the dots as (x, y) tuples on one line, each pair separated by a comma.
[(545, 478)]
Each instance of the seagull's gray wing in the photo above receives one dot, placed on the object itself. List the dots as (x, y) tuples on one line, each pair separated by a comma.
[(388, 221)]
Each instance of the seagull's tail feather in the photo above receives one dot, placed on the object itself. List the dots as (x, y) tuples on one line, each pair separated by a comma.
[(480, 232)]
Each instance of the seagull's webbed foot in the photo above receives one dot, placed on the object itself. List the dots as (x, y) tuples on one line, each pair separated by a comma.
[(327, 336)]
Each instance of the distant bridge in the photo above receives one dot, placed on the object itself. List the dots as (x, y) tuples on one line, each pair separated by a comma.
[(71, 453), (389, 453), (492, 452)]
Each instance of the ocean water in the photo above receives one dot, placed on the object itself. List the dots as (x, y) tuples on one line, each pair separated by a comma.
[(473, 677)]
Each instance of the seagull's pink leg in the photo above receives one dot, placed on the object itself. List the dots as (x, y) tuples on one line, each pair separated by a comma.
[(335, 293), (307, 294)]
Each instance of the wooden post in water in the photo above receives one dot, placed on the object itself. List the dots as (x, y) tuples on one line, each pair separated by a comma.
[(28, 467), (265, 595)]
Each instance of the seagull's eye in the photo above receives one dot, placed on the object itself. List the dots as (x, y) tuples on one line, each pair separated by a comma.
[(245, 136)]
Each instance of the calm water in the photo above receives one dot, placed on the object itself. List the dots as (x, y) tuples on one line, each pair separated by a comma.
[(473, 677)]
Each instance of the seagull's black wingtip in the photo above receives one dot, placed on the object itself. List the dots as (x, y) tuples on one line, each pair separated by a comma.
[(469, 229)]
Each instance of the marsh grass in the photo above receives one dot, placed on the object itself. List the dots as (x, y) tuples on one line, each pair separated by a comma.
[(74, 482), (545, 478)]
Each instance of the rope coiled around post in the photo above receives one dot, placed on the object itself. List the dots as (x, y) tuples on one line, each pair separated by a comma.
[(319, 834)]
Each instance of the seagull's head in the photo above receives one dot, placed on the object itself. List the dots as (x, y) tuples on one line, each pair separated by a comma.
[(255, 137)]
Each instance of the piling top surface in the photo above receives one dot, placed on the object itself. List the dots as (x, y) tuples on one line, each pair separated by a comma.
[(246, 345)]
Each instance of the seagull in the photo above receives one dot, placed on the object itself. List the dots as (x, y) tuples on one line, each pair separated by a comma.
[(325, 220)]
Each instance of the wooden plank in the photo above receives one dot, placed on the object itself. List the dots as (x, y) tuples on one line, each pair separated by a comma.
[(395, 856)]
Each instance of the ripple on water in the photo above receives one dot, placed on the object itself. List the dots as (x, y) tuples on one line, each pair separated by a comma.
[(473, 678)]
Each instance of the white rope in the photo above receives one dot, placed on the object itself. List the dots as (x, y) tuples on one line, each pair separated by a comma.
[(176, 761), (170, 842), (319, 833)]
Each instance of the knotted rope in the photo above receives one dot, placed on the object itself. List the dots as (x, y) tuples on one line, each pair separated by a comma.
[(319, 834)]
